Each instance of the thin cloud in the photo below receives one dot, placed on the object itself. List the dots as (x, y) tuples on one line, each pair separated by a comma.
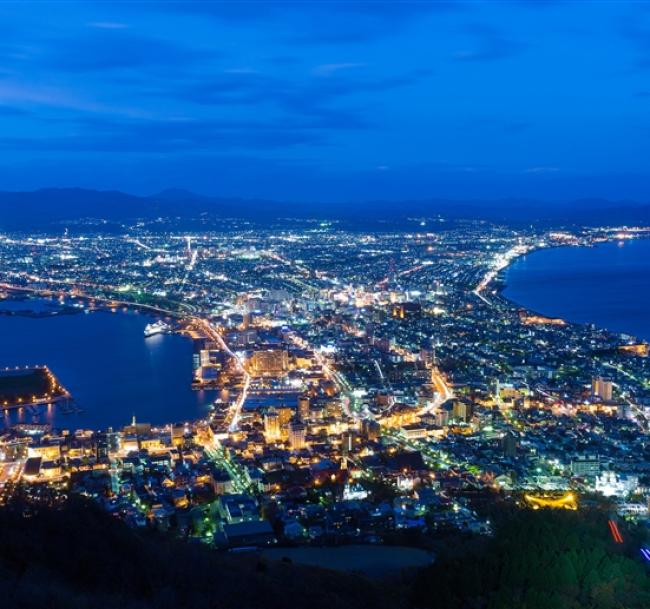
[(488, 45), (108, 25), (109, 49), (542, 170), (327, 69)]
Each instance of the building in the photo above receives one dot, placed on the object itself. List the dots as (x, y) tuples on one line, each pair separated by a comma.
[(347, 442), (237, 508), (204, 356), (270, 362), (303, 408), (272, 427), (602, 388), (462, 410), (370, 429), (297, 435), (585, 466), (250, 533), (611, 484), (406, 310), (509, 444)]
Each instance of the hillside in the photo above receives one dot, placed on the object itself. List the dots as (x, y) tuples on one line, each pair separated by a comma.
[(82, 557), (540, 560), (55, 208)]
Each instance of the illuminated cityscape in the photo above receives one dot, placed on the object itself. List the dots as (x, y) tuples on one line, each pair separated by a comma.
[(364, 384), (334, 304)]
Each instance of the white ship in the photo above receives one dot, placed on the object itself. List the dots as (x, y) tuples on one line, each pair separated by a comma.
[(159, 327)]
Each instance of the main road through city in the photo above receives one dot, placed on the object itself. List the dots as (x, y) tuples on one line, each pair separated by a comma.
[(239, 402)]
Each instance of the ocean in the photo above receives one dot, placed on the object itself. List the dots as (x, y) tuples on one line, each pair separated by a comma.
[(607, 285)]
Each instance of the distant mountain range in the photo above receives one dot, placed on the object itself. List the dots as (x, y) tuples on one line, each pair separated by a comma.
[(56, 207)]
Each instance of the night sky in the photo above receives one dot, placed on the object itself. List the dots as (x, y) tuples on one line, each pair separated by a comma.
[(328, 100)]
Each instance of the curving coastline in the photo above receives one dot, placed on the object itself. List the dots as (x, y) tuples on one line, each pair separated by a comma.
[(605, 285)]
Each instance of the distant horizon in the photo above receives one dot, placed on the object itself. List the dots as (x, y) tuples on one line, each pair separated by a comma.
[(47, 209), (180, 192)]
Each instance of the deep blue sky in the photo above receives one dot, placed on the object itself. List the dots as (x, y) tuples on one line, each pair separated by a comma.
[(328, 100)]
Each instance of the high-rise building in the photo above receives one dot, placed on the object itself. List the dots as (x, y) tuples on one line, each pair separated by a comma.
[(102, 446), (333, 408), (297, 435), (602, 388), (285, 413), (204, 357), (272, 425), (585, 465), (346, 447), (404, 310), (509, 444), (371, 429), (462, 410), (303, 408)]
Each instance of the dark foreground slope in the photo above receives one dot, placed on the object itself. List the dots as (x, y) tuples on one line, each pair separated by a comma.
[(81, 557), (540, 560)]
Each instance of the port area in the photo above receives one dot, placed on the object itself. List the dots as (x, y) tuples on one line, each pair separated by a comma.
[(20, 387)]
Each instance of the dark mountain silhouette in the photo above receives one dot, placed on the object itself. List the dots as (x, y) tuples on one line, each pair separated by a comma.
[(54, 207)]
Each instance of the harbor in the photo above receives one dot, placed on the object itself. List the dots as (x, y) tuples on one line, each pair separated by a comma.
[(110, 369)]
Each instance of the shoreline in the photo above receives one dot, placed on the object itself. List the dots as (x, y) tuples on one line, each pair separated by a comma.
[(103, 306), (62, 393), (109, 303), (501, 285)]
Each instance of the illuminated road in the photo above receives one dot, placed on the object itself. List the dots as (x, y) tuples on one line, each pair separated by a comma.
[(613, 529), (342, 384), (72, 291), (638, 414), (238, 473), (500, 262), (235, 411), (443, 391), (413, 269), (10, 472)]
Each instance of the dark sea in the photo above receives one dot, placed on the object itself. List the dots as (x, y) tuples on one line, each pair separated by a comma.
[(608, 285), (112, 371)]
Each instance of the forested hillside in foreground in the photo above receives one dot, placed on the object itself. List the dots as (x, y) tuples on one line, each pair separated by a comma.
[(540, 560), (81, 557)]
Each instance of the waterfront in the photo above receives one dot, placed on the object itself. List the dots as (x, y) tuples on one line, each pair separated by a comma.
[(607, 285), (387, 396), (105, 362)]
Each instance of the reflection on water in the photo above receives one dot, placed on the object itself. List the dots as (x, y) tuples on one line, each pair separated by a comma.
[(608, 285), (104, 360)]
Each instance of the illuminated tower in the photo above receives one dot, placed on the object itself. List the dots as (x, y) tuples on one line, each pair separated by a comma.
[(297, 436), (303, 408), (272, 425), (346, 447), (602, 388)]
